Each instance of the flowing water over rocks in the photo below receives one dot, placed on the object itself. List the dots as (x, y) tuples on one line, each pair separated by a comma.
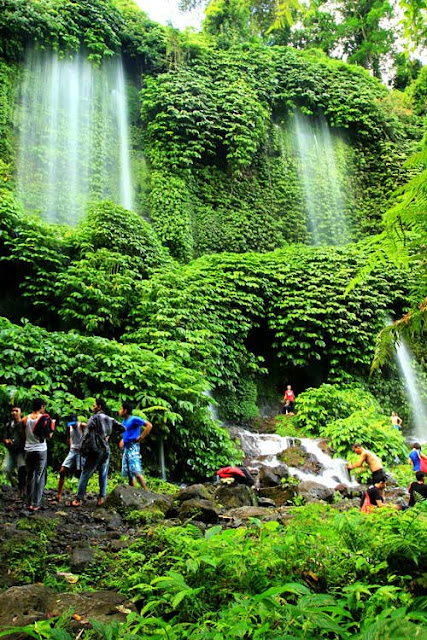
[(304, 457)]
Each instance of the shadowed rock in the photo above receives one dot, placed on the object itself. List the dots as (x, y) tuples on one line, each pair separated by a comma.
[(232, 496), (203, 510), (125, 498), (20, 606)]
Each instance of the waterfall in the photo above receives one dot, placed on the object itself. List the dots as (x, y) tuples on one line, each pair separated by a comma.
[(264, 449), (407, 367), (321, 176), (73, 136)]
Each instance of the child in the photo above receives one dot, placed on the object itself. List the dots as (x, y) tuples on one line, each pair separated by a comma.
[(132, 437)]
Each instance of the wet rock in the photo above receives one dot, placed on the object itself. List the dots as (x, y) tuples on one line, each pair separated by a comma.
[(81, 557), (313, 491), (200, 510), (266, 503), (125, 498), (343, 490), (23, 605), (293, 456), (235, 495), (268, 477), (245, 513), (281, 494), (195, 492), (312, 465), (324, 445), (110, 518)]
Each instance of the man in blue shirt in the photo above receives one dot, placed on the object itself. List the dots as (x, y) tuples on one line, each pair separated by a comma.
[(132, 437), (415, 456)]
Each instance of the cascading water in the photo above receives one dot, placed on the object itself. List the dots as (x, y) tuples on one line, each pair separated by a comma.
[(407, 367), (73, 136), (321, 179), (264, 449)]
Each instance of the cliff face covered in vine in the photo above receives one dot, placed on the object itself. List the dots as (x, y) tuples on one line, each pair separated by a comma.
[(248, 151)]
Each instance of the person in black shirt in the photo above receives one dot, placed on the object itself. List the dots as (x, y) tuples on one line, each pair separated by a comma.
[(418, 489), (375, 493), (15, 458)]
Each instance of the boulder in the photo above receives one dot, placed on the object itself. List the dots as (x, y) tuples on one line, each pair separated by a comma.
[(195, 492), (110, 518), (313, 491), (201, 510), (125, 498), (235, 495), (325, 446), (266, 503), (246, 513), (312, 465), (20, 606), (280, 495), (81, 557), (268, 477)]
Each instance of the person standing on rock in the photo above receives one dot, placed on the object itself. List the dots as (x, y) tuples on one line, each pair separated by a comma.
[(73, 461), (130, 445), (37, 427), (368, 457), (15, 457), (96, 451), (289, 400), (396, 421)]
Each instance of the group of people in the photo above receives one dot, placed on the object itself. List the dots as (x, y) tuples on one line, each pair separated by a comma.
[(89, 450), (374, 496)]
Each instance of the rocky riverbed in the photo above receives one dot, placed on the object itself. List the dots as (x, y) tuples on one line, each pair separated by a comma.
[(77, 537)]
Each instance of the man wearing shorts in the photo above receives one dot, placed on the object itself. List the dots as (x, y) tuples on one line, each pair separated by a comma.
[(73, 461), (371, 460), (132, 437)]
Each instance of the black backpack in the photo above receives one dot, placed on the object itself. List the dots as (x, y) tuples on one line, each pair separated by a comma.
[(93, 442)]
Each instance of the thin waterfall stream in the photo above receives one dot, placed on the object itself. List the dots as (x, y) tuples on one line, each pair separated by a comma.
[(408, 370), (73, 136), (322, 177)]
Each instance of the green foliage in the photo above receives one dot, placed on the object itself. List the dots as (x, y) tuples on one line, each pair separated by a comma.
[(240, 403), (348, 414), (418, 91), (110, 226), (220, 178), (223, 313), (67, 368), (317, 407), (97, 291), (102, 27), (372, 429), (26, 556)]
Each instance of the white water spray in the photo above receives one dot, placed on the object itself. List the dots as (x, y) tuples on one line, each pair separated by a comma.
[(264, 449), (407, 367), (73, 136), (320, 175)]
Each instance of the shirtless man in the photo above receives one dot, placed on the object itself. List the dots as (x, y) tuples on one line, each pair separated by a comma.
[(374, 463), (396, 421)]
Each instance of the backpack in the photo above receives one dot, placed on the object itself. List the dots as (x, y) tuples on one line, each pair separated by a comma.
[(239, 474), (93, 443), (44, 427)]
